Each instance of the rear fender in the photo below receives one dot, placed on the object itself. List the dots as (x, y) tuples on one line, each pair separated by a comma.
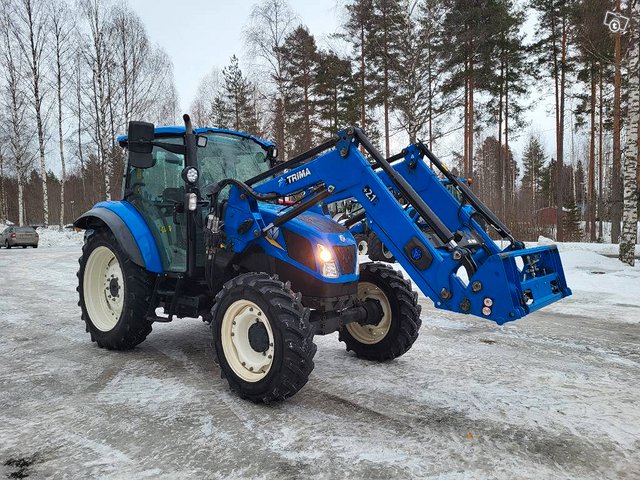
[(130, 230)]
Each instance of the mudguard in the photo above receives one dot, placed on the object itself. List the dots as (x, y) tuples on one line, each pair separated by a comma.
[(129, 228)]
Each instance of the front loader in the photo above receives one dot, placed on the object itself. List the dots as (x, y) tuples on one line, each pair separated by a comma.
[(207, 228)]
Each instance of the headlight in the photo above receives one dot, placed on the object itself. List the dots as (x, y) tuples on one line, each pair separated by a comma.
[(190, 174), (329, 268), (324, 254)]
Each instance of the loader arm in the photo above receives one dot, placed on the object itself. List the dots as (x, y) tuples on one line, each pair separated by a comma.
[(448, 255)]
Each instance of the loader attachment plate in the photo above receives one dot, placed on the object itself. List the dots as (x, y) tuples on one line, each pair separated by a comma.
[(533, 278)]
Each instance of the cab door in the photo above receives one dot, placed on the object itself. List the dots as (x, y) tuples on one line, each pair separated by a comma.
[(158, 194)]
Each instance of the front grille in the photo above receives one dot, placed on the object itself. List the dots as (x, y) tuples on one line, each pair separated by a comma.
[(299, 249), (346, 258)]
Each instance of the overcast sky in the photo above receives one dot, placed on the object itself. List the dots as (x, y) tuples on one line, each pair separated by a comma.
[(199, 35)]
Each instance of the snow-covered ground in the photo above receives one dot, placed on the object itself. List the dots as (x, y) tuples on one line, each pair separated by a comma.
[(554, 395)]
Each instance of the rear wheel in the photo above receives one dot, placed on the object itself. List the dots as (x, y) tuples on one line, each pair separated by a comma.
[(114, 294), (262, 338), (398, 329), (378, 251)]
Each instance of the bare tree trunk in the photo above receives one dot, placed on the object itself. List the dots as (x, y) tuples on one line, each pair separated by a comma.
[(61, 31), (363, 106), (600, 155), (616, 187), (471, 119), (33, 49), (3, 195), (500, 190), (591, 204), (79, 118), (630, 213), (508, 182), (465, 148)]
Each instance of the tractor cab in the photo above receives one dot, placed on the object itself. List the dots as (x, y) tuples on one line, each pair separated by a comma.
[(157, 189)]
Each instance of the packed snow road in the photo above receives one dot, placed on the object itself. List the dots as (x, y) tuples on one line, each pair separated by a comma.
[(554, 395)]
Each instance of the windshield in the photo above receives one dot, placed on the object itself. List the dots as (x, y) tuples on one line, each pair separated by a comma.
[(230, 156)]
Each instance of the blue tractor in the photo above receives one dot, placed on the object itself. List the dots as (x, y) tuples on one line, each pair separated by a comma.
[(203, 230)]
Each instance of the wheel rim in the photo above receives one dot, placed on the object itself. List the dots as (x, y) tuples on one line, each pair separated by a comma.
[(247, 340), (363, 247), (370, 334), (386, 253), (104, 289)]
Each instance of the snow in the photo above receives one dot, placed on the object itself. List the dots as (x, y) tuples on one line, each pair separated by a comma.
[(554, 395), (53, 237)]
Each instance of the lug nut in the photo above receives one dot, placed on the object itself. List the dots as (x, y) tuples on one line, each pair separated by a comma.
[(476, 286)]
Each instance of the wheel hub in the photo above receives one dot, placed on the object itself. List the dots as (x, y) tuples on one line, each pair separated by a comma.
[(114, 287), (258, 337), (367, 333)]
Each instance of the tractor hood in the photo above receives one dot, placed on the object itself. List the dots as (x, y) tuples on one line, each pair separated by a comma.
[(299, 240)]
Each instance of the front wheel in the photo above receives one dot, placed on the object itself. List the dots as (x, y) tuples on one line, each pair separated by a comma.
[(398, 329), (114, 293), (262, 338)]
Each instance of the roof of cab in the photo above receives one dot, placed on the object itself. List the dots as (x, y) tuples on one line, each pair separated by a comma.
[(177, 130)]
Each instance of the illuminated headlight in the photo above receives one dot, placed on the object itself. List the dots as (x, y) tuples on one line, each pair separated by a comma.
[(329, 268), (190, 174)]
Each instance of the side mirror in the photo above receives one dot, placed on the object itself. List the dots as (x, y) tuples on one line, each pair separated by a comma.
[(140, 144)]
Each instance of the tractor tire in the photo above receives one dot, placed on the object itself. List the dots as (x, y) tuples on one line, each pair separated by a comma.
[(114, 293), (262, 338), (398, 329), (362, 243), (377, 251)]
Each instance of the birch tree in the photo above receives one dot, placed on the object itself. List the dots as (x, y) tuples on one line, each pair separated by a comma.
[(270, 23), (97, 57), (31, 31), (15, 102), (62, 35), (630, 208)]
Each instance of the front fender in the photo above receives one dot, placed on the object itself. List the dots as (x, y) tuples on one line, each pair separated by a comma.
[(130, 230)]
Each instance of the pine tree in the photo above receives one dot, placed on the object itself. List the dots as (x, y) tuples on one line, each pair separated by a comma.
[(471, 28), (336, 99), (533, 178), (418, 101), (359, 32), (238, 92), (300, 59)]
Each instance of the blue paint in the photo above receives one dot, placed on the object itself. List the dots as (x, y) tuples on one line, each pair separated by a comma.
[(160, 131), (140, 231)]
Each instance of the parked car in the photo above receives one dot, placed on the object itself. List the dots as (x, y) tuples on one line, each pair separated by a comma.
[(19, 237)]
